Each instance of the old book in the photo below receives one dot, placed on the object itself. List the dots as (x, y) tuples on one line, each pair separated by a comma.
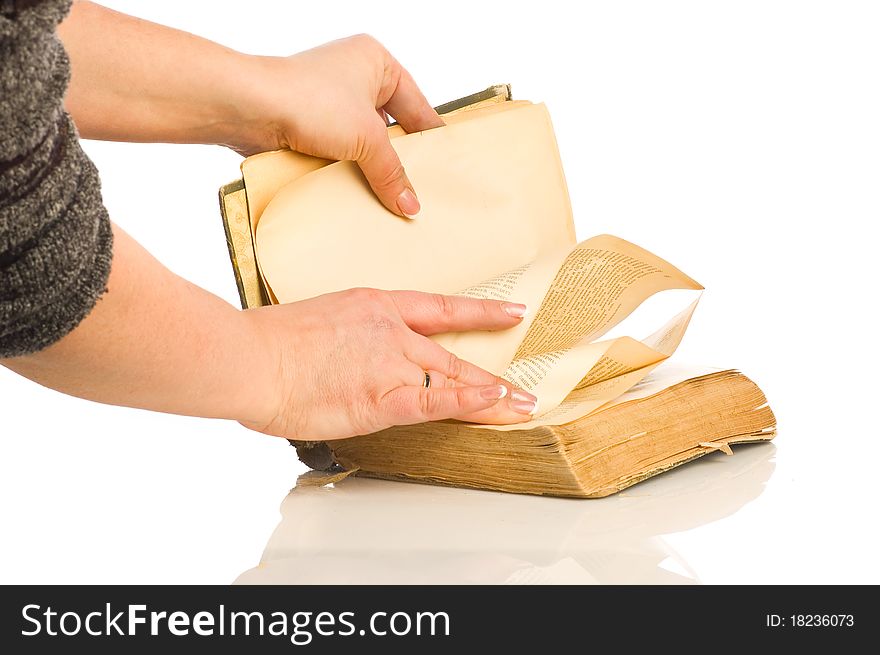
[(640, 434), (496, 223)]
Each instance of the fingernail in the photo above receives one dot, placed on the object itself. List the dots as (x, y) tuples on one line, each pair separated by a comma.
[(514, 309), (496, 392), (519, 394), (408, 204), (524, 406)]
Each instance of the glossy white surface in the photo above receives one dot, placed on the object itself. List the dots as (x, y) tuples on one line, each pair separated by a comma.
[(374, 531), (737, 140)]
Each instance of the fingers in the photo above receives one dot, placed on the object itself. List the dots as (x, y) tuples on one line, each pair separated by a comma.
[(384, 172), (407, 103), (411, 404), (431, 356), (447, 369), (432, 313), (516, 407)]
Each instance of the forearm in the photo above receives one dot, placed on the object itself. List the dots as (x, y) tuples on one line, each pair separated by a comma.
[(156, 341), (133, 80)]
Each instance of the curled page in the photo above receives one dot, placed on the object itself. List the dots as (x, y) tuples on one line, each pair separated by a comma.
[(575, 295), (527, 284), (580, 293), (587, 376), (599, 283)]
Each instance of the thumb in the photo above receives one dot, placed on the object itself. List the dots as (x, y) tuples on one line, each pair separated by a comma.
[(384, 172)]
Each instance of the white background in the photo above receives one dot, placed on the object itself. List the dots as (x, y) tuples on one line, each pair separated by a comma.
[(741, 141)]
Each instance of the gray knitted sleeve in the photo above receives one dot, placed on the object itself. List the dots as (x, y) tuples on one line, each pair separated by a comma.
[(55, 238)]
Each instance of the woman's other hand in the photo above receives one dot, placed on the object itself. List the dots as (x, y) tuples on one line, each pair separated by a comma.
[(354, 362)]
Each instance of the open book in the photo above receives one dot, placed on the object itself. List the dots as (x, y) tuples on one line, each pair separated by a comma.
[(496, 223)]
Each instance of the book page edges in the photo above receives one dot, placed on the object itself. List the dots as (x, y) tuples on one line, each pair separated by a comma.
[(678, 459), (545, 444), (471, 472), (569, 487)]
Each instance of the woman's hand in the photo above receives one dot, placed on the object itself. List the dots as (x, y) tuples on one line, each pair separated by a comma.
[(153, 83), (333, 102), (334, 366), (354, 362)]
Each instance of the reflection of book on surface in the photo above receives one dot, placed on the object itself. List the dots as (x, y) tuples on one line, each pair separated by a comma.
[(361, 531), (496, 223)]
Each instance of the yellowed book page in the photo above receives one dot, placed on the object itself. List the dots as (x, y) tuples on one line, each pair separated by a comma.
[(586, 400), (663, 377), (552, 375), (599, 284), (264, 174), (493, 198), (572, 383), (267, 172), (574, 295), (528, 284), (634, 385)]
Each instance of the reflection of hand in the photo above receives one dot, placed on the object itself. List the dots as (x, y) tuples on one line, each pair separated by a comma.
[(354, 362), (331, 102)]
